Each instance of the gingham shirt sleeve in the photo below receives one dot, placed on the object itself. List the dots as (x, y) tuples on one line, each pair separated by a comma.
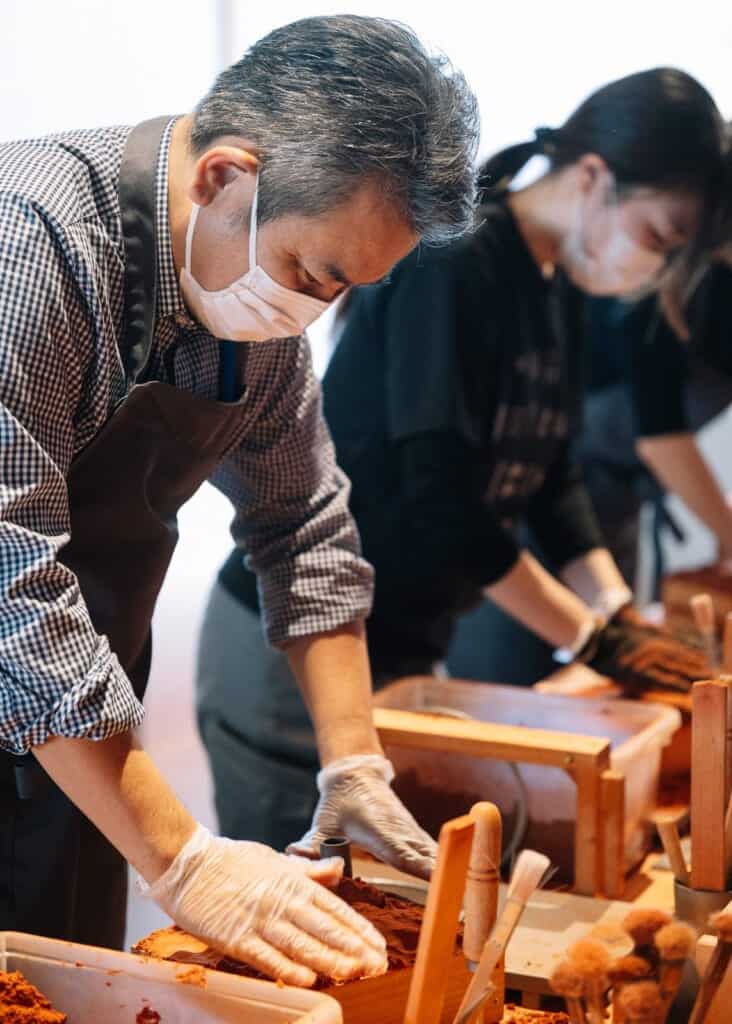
[(291, 500), (57, 676)]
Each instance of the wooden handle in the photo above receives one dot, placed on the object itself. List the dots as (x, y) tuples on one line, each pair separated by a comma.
[(727, 645), (702, 608), (708, 785), (481, 890), (440, 923), (669, 833), (711, 981)]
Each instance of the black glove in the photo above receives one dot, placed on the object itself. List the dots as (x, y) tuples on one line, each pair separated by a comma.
[(640, 655)]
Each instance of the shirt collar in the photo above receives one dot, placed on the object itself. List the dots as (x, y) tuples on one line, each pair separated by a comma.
[(170, 300)]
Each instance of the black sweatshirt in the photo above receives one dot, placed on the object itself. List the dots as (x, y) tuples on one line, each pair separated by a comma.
[(451, 397)]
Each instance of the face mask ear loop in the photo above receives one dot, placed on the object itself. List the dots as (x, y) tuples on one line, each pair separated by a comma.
[(189, 233), (253, 227)]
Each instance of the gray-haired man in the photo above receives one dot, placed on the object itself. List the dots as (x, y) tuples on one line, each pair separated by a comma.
[(316, 162)]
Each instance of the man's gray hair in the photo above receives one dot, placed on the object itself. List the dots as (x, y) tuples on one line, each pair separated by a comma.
[(333, 102)]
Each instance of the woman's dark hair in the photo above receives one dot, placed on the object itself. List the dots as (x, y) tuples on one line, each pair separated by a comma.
[(657, 128)]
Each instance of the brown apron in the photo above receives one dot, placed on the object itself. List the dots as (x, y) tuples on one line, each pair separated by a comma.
[(58, 875)]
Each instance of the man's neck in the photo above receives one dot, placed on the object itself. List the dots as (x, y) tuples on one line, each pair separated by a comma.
[(179, 203)]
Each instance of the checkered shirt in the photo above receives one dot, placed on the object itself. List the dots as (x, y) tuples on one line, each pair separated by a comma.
[(62, 263)]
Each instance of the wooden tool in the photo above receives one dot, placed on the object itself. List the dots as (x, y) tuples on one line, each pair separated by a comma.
[(702, 609), (642, 1003), (481, 889), (708, 785), (568, 983), (628, 970), (717, 966), (727, 645), (675, 943), (727, 670), (527, 876), (668, 831), (440, 922), (591, 959)]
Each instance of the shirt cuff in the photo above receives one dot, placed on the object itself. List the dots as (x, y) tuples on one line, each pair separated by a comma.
[(100, 706)]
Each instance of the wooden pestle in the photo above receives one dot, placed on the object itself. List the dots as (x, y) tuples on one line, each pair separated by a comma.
[(481, 889)]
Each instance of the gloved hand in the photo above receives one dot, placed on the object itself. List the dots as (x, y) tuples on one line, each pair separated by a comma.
[(357, 801), (642, 655), (268, 910)]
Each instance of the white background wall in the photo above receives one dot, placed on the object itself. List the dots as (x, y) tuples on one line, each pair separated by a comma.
[(79, 63)]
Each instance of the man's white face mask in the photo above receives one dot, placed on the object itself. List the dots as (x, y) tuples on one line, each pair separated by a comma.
[(618, 266), (252, 308)]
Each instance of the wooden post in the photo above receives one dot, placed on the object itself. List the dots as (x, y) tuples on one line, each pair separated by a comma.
[(708, 785), (584, 758), (613, 829), (440, 923)]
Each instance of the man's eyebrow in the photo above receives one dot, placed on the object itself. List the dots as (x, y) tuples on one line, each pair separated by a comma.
[(333, 271)]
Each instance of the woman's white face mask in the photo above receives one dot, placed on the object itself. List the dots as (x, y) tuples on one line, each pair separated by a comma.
[(618, 265), (252, 308)]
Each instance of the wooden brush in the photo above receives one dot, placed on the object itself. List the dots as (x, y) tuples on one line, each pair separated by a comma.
[(627, 970), (531, 867), (591, 960), (702, 608), (642, 925), (675, 943), (642, 1003), (568, 983), (721, 923)]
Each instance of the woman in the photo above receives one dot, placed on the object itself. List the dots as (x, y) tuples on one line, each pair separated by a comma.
[(451, 398)]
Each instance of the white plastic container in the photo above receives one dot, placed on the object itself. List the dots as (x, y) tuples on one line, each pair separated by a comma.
[(101, 985), (437, 786)]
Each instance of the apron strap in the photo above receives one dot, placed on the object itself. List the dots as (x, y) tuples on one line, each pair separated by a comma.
[(137, 203)]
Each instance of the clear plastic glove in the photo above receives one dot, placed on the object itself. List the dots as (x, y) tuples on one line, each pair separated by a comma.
[(357, 801), (268, 910)]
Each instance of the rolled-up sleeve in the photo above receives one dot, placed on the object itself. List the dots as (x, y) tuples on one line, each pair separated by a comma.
[(57, 675), (291, 500)]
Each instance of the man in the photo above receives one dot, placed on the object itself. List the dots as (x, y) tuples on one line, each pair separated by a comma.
[(316, 162)]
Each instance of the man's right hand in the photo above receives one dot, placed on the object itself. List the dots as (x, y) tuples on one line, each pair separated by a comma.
[(268, 910)]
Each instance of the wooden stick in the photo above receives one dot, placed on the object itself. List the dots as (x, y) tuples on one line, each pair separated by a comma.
[(713, 977), (708, 785), (727, 670), (613, 829), (669, 832), (675, 944), (702, 608), (440, 923), (481, 891), (727, 645)]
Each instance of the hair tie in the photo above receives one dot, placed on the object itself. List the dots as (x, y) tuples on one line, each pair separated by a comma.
[(544, 138)]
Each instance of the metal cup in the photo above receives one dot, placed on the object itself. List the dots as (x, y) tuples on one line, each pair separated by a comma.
[(695, 905), (338, 846)]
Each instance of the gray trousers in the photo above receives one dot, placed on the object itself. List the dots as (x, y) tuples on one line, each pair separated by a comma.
[(255, 727)]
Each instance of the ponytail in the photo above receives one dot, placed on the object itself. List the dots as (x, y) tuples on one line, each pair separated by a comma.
[(497, 173), (657, 128)]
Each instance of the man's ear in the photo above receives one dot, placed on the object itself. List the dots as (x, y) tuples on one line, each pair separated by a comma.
[(217, 168)]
